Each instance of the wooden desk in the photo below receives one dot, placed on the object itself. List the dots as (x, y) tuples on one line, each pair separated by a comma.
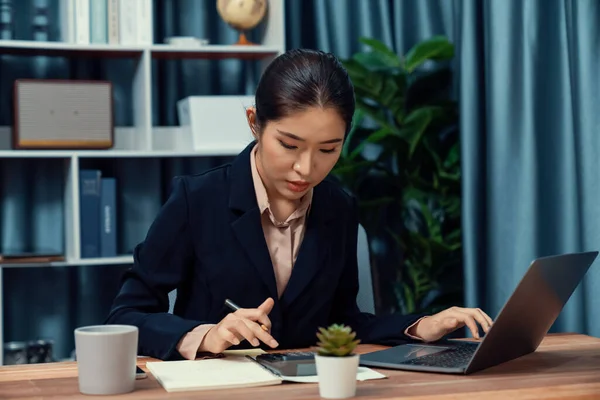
[(564, 367)]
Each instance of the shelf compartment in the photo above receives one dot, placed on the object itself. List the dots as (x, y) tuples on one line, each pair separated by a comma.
[(32, 206)]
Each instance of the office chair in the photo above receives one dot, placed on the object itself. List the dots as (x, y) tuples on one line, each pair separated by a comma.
[(365, 298)]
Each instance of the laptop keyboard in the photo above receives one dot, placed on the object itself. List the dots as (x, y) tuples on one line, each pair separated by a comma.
[(457, 356)]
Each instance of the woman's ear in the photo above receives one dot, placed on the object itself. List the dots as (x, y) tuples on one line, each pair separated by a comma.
[(251, 117)]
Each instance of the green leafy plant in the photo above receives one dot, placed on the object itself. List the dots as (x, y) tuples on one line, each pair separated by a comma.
[(336, 341), (402, 161)]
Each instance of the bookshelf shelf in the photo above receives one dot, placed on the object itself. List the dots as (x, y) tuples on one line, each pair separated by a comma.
[(214, 52), (202, 152), (103, 261), (74, 262), (35, 154), (158, 51), (35, 48), (167, 142)]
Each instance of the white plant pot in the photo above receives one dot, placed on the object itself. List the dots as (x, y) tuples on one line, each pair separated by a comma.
[(337, 376)]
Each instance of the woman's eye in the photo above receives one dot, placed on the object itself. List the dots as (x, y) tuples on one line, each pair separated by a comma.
[(287, 146), (327, 151)]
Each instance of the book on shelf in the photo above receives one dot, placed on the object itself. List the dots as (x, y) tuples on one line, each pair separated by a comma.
[(125, 22), (108, 217), (98, 214), (30, 257)]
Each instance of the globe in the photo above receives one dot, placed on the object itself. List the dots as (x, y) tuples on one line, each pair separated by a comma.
[(242, 15)]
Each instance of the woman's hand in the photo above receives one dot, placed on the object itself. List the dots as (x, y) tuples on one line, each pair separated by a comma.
[(245, 323), (438, 325)]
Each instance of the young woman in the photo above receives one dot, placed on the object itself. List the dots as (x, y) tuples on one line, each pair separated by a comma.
[(269, 232)]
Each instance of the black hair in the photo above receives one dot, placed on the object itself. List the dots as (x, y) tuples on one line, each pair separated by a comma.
[(303, 78)]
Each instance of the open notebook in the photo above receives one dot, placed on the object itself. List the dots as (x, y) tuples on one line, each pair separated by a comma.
[(233, 371), (217, 373)]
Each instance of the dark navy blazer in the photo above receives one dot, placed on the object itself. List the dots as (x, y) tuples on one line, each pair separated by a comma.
[(207, 242)]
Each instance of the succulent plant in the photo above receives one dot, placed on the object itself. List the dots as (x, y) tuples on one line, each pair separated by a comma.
[(336, 341)]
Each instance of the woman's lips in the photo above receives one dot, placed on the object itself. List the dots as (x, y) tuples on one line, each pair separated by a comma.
[(297, 186)]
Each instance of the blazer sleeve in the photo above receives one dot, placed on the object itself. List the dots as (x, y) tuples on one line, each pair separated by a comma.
[(161, 262), (380, 329)]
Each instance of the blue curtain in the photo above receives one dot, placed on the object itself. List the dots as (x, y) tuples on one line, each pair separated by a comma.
[(529, 96), (528, 92)]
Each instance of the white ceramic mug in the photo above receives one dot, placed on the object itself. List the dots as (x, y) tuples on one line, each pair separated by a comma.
[(106, 358)]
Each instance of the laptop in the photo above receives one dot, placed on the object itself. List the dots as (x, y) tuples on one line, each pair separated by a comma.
[(518, 330)]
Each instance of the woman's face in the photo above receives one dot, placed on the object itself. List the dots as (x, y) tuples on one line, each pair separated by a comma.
[(297, 152)]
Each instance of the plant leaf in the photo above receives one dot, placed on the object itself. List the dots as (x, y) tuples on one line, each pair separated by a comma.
[(389, 92), (418, 120), (374, 137), (409, 299), (453, 156), (377, 45), (355, 69), (375, 61), (374, 83), (351, 167), (436, 48), (376, 114), (381, 57), (356, 121)]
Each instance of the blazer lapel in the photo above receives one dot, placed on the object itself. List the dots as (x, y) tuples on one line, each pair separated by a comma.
[(314, 248), (247, 224), (249, 233)]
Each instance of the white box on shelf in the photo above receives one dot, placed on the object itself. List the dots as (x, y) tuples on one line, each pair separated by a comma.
[(216, 122), (172, 138)]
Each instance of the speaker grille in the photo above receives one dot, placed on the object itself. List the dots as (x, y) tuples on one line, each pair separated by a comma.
[(64, 113)]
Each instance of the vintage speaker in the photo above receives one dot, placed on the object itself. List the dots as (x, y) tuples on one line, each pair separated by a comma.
[(63, 114)]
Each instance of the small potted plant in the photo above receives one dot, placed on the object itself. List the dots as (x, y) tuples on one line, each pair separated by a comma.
[(336, 363)]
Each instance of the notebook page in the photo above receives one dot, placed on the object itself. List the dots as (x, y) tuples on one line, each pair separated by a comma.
[(221, 373)]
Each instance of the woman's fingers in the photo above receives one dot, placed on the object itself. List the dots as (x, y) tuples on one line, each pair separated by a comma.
[(468, 320), (267, 305), (243, 329), (483, 319), (234, 330), (471, 317), (227, 336), (478, 317), (487, 317), (249, 330), (255, 314), (265, 337)]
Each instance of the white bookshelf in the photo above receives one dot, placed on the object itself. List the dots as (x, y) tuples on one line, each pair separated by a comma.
[(140, 141)]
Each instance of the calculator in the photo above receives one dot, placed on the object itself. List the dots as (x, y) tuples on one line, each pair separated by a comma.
[(293, 363), (288, 356)]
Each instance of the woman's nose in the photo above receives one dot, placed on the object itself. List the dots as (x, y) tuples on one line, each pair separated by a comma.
[(303, 166)]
